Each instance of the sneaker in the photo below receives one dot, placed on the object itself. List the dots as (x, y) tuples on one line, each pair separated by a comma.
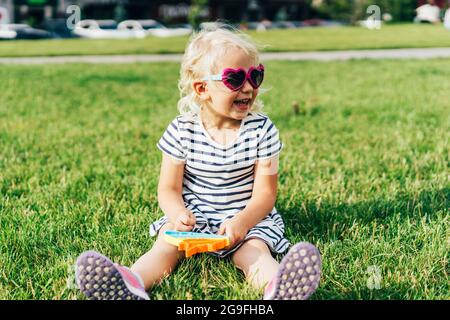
[(298, 275), (101, 279)]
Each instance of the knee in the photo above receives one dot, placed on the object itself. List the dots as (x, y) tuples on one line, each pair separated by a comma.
[(254, 247), (250, 252)]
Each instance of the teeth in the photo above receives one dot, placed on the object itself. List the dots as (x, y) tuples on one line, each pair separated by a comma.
[(242, 101)]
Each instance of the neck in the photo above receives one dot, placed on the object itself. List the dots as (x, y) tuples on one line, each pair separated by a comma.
[(212, 119)]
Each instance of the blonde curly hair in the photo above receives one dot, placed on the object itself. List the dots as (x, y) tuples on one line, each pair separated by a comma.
[(203, 50)]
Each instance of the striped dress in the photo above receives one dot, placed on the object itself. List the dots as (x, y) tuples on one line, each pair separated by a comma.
[(218, 179)]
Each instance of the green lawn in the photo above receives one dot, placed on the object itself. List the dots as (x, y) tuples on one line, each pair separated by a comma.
[(364, 175), (309, 39)]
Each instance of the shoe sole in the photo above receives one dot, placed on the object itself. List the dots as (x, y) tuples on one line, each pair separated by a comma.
[(99, 279), (299, 274)]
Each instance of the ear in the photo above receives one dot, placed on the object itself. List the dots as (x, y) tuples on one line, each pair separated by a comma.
[(201, 90)]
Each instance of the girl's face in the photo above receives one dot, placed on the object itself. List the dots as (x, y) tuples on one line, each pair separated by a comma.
[(222, 101)]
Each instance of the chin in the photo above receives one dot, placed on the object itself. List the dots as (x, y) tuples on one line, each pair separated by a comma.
[(240, 115)]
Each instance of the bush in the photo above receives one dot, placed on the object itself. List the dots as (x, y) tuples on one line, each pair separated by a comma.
[(194, 17)]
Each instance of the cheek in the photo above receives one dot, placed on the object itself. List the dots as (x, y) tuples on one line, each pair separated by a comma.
[(224, 99), (230, 97)]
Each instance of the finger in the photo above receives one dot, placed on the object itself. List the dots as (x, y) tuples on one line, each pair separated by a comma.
[(191, 214), (183, 219), (187, 219), (221, 230), (191, 220), (183, 227), (231, 245)]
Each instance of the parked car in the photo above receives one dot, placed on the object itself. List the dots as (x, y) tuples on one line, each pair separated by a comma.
[(106, 29), (58, 28), (214, 25), (284, 25), (321, 23), (149, 24), (266, 24), (157, 29), (132, 25), (109, 29), (180, 25), (22, 31), (6, 33)]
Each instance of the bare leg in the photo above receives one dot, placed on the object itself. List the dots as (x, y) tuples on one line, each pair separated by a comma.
[(255, 260), (297, 276), (159, 262)]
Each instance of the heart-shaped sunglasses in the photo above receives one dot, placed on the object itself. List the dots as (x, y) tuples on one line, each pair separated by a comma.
[(235, 79)]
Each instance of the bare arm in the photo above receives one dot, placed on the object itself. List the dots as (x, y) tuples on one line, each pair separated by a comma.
[(260, 204), (264, 193), (170, 198)]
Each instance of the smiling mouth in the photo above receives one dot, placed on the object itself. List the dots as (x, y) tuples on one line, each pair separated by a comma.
[(242, 103)]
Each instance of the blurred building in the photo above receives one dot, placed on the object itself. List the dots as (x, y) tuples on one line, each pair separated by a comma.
[(169, 11), (6, 11), (31, 11)]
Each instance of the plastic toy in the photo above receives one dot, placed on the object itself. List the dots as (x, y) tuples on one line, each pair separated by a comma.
[(196, 242)]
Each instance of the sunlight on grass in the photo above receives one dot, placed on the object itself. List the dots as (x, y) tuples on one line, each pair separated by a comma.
[(305, 39), (364, 174)]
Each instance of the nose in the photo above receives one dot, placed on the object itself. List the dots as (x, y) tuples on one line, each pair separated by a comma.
[(247, 87)]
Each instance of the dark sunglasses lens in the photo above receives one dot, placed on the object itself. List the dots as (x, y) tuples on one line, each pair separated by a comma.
[(257, 76), (235, 79)]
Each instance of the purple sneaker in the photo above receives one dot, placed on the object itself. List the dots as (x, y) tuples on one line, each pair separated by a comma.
[(101, 279), (298, 275)]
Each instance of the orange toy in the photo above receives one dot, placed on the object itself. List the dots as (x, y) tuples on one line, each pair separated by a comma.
[(196, 242)]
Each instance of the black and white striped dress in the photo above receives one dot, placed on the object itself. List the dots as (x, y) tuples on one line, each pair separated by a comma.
[(218, 179)]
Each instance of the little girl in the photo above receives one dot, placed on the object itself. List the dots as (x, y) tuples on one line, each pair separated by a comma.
[(218, 176)]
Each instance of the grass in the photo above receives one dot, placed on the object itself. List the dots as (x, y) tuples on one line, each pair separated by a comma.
[(309, 39), (364, 175)]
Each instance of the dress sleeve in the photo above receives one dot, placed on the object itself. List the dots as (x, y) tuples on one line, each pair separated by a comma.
[(170, 142), (270, 144)]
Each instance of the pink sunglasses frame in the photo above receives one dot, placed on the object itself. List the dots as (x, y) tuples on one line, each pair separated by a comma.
[(223, 77)]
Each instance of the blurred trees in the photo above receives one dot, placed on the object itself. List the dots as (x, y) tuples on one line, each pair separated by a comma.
[(354, 10), (195, 17)]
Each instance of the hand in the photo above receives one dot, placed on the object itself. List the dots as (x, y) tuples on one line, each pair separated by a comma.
[(185, 221), (235, 230)]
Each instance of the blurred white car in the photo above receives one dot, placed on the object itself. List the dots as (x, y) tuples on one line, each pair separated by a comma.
[(156, 29), (106, 29), (22, 31), (6, 33)]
